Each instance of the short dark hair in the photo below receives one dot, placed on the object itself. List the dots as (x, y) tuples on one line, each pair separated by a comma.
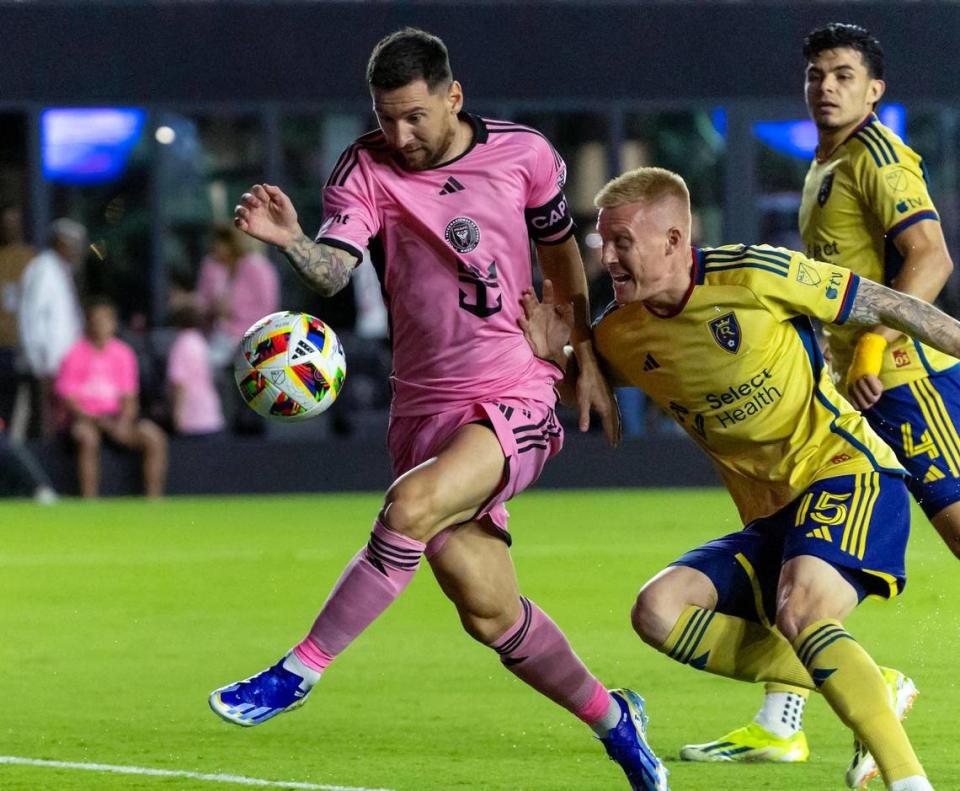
[(841, 35), (406, 56)]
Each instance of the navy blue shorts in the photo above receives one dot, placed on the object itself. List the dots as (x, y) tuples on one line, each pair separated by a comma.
[(859, 524), (919, 421)]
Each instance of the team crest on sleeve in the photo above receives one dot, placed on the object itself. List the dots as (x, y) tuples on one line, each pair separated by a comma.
[(726, 332), (462, 234), (896, 180), (825, 186)]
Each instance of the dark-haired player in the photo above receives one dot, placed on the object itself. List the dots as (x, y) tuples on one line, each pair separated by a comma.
[(447, 204), (866, 207)]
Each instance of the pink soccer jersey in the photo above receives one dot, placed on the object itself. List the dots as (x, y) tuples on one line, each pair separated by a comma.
[(452, 248), (98, 379)]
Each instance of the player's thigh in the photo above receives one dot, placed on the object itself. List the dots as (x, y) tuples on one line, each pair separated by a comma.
[(742, 570), (449, 488), (810, 590), (947, 523), (475, 570)]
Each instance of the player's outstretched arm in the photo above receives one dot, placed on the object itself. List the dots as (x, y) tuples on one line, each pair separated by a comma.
[(266, 213), (875, 304)]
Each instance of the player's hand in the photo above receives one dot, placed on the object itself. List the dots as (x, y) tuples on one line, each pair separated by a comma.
[(594, 392), (266, 213), (546, 325), (865, 391)]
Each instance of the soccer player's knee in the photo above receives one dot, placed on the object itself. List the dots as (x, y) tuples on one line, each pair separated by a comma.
[(485, 627), (409, 510), (654, 613), (796, 613)]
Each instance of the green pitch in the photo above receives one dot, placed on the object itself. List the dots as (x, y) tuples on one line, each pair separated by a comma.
[(119, 617)]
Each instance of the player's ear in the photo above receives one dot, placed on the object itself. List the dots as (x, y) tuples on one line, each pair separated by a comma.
[(875, 90), (455, 97), (674, 239)]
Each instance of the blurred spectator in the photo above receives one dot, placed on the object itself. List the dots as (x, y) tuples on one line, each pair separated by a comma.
[(98, 382), (15, 254), (235, 288), (50, 319), (195, 403)]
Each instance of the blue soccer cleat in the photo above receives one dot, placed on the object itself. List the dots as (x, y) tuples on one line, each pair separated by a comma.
[(260, 697), (627, 745)]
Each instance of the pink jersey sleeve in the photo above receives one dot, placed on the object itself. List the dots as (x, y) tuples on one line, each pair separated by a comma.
[(350, 217), (547, 211)]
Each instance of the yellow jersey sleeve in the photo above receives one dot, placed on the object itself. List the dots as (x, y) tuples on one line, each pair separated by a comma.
[(810, 288), (891, 181)]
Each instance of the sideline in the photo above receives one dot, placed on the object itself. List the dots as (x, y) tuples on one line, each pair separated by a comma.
[(214, 778)]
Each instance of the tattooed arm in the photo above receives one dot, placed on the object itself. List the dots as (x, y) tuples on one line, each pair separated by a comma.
[(324, 268), (267, 214), (875, 304)]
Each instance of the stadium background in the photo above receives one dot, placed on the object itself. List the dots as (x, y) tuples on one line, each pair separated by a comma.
[(120, 616), (273, 91)]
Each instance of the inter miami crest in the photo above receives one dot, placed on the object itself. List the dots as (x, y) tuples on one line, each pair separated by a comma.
[(825, 186), (726, 332), (463, 234)]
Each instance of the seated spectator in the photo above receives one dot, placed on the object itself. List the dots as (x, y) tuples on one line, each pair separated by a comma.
[(99, 384), (235, 289), (193, 394)]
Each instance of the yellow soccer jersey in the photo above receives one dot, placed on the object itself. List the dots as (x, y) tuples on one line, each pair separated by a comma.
[(739, 367), (854, 205)]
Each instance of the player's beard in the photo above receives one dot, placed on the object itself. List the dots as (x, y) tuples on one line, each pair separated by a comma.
[(435, 156)]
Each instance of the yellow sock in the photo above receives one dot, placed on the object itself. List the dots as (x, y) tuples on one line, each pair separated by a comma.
[(853, 686), (734, 647), (773, 686)]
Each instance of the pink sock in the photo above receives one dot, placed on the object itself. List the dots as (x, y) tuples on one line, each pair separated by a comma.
[(375, 577), (535, 651)]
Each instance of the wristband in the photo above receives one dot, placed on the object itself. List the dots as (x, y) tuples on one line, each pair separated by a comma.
[(867, 357)]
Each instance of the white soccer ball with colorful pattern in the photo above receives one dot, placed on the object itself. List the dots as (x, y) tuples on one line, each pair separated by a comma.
[(290, 366)]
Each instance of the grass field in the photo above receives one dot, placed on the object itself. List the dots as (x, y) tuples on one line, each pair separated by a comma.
[(119, 617)]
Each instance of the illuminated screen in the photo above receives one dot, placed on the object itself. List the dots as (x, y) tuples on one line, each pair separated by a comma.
[(88, 145), (798, 138)]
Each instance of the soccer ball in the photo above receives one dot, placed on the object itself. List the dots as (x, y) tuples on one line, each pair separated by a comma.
[(290, 366)]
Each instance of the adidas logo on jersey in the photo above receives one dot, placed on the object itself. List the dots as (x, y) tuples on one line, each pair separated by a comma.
[(451, 186), (303, 349), (650, 363), (820, 532)]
